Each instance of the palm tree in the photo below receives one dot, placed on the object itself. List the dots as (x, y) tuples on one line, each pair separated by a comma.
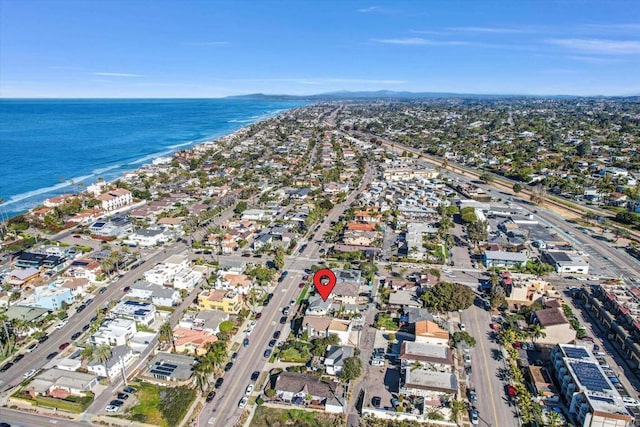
[(537, 331), (457, 408), (102, 354), (216, 354), (87, 353), (166, 334), (202, 377)]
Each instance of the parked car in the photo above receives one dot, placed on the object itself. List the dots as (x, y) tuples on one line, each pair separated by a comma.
[(258, 315), (245, 342), (123, 396), (29, 373), (375, 401), (267, 353), (210, 396), (52, 355), (112, 408), (228, 366), (255, 375), (301, 285), (219, 382), (283, 320), (234, 356), (463, 327), (249, 389), (129, 390), (63, 346), (102, 290), (473, 416), (276, 335), (32, 347), (272, 343), (6, 367), (117, 403), (76, 336), (473, 397), (590, 339), (243, 402)]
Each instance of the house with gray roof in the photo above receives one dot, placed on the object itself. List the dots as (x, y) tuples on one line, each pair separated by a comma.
[(335, 357), (298, 388)]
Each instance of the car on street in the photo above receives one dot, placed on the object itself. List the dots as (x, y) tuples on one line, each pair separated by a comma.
[(375, 401), (126, 289), (258, 315), (123, 396), (219, 382), (473, 416), (52, 355), (18, 358), (6, 367), (210, 396), (228, 366), (63, 346), (272, 343), (590, 339), (29, 373), (255, 375), (301, 285), (61, 324), (283, 320), (32, 347), (249, 389), (43, 339), (462, 327), (243, 402), (245, 342), (253, 323), (102, 290), (276, 335), (234, 356), (267, 353), (76, 336), (86, 327), (467, 359), (473, 397)]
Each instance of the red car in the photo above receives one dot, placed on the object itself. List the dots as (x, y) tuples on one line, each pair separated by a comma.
[(63, 346), (126, 289), (301, 285), (587, 339), (258, 315)]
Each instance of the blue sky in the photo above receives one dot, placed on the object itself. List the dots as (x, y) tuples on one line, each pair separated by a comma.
[(188, 48)]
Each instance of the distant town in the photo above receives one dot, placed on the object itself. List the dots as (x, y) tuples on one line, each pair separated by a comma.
[(486, 253)]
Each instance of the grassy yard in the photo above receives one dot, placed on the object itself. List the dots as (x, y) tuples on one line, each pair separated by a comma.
[(387, 322), (162, 406), (303, 295), (271, 417)]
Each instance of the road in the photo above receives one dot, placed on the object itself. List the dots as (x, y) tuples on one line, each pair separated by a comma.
[(26, 419), (37, 358), (223, 410), (485, 361)]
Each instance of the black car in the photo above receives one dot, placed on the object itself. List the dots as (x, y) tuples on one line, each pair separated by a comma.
[(219, 382), (234, 356), (267, 353), (76, 335), (86, 327), (93, 319), (228, 366), (18, 358), (102, 290), (276, 335), (283, 320), (5, 425), (6, 367), (43, 339), (210, 396), (129, 390), (375, 401), (272, 343), (117, 403), (52, 355), (80, 308), (89, 301), (245, 342), (255, 375), (123, 396)]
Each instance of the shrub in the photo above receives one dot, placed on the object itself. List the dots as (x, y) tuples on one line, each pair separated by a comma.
[(270, 393)]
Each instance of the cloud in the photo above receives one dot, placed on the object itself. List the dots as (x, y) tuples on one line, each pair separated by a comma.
[(488, 30), (419, 41), (600, 46), (595, 59), (206, 44), (629, 27), (370, 9), (117, 74)]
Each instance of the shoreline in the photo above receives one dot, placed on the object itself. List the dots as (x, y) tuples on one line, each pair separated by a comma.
[(137, 164)]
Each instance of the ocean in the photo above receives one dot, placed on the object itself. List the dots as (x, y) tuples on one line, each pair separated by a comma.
[(46, 144)]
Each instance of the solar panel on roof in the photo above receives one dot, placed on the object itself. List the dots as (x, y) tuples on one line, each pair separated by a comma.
[(576, 352), (590, 376), (170, 365)]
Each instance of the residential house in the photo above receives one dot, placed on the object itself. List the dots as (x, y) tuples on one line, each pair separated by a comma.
[(149, 237), (22, 277), (141, 312), (504, 259), (121, 356), (428, 332), (51, 381), (158, 295), (115, 199), (335, 357), (169, 367), (404, 299), (557, 328), (50, 297), (434, 386), (298, 388), (426, 356), (192, 341), (227, 301), (114, 332)]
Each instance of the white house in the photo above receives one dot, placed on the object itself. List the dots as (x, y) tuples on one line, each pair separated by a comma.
[(186, 279), (121, 356), (114, 332), (142, 312), (335, 357), (115, 199), (149, 237)]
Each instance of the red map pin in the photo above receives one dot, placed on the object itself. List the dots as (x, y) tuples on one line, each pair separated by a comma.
[(324, 280)]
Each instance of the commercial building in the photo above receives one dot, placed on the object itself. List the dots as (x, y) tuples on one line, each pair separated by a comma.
[(592, 399), (566, 262)]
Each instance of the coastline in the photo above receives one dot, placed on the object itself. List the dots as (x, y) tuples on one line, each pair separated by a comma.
[(39, 195)]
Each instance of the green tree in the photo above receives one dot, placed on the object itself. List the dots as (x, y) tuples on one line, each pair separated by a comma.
[(351, 369), (486, 178), (240, 207), (464, 336), (498, 297), (458, 407), (447, 296), (226, 326), (102, 354), (166, 334), (278, 260), (536, 332), (517, 187)]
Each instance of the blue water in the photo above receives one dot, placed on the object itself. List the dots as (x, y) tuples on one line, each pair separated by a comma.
[(47, 143)]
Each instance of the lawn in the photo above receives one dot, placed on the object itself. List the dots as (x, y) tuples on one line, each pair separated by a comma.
[(387, 322), (162, 406), (302, 295), (271, 417)]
